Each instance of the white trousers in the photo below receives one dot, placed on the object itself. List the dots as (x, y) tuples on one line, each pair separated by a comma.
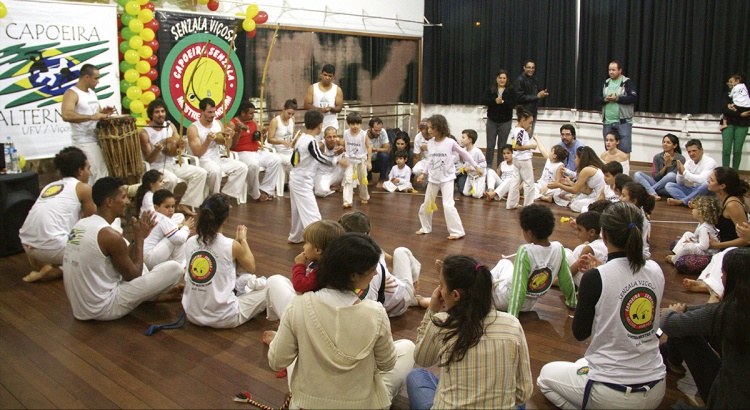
[(254, 160), (402, 186), (522, 171), (355, 175), (406, 269), (475, 183), (251, 303), (683, 247), (502, 279), (164, 251), (236, 176), (43, 257), (285, 159), (95, 157), (279, 293), (304, 207), (131, 294), (324, 178), (542, 190), (494, 183), (452, 220), (563, 384), (194, 177)]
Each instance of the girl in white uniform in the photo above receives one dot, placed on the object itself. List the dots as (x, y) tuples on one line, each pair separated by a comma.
[(706, 210), (522, 154), (166, 242), (618, 307), (498, 183), (441, 173), (152, 181), (589, 185), (359, 153), (302, 177), (212, 280), (554, 170), (281, 133)]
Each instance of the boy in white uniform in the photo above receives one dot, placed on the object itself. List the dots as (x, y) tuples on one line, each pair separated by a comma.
[(60, 205), (302, 177), (475, 184), (103, 278), (358, 151), (400, 176), (166, 242), (201, 139)]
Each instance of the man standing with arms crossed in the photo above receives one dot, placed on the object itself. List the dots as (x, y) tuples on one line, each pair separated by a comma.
[(619, 97), (326, 97)]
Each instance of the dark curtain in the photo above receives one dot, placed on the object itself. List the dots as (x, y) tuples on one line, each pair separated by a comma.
[(679, 53), (461, 58)]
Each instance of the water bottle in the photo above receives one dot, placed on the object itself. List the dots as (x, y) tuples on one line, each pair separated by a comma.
[(8, 157), (15, 158)]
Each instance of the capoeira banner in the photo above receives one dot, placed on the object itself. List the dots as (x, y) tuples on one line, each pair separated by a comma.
[(43, 46), (196, 63)]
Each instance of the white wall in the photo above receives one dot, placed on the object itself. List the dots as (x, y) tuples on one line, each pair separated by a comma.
[(389, 17), (646, 142)]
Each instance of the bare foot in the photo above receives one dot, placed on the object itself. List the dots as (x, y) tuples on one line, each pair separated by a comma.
[(268, 336), (184, 209), (674, 202), (669, 259), (263, 197), (489, 196), (379, 185), (173, 294), (347, 206), (697, 286), (690, 205), (547, 199), (363, 202), (454, 237), (423, 301), (657, 198), (48, 272), (419, 232)]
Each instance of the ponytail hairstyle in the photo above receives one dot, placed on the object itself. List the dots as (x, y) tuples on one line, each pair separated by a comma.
[(561, 153), (735, 313), (211, 215), (733, 185), (587, 157), (465, 320), (151, 176), (290, 104), (622, 225), (522, 113), (639, 197)]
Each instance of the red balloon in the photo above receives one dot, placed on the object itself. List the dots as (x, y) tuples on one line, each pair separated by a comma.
[(154, 89), (153, 25), (119, 23), (121, 56), (120, 38), (148, 5), (251, 34), (261, 17), (153, 60), (152, 74), (153, 44), (213, 5)]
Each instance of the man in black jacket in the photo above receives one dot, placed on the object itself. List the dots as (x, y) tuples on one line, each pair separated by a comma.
[(527, 90)]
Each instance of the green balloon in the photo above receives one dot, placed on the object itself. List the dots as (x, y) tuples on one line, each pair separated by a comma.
[(126, 102), (126, 19), (124, 47), (127, 33), (124, 85), (125, 66)]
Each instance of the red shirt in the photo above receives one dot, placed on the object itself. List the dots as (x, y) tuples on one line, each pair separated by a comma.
[(304, 278), (246, 142)]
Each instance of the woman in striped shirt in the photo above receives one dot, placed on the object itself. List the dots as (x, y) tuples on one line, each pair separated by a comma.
[(482, 353)]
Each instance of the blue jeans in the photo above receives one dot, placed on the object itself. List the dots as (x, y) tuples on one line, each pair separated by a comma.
[(626, 135), (380, 163), (420, 387), (654, 187), (686, 193)]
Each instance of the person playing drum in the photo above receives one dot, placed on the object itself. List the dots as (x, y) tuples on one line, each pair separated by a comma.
[(80, 107), (160, 143)]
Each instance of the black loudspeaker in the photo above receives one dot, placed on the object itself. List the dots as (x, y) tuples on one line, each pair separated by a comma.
[(18, 192)]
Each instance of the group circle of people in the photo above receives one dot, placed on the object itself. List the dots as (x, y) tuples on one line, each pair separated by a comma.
[(334, 311)]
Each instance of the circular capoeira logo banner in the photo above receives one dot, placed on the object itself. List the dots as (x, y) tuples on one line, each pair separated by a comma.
[(202, 267), (53, 190), (638, 310), (540, 280), (215, 76)]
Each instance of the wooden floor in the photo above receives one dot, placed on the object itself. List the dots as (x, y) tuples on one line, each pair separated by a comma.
[(49, 359)]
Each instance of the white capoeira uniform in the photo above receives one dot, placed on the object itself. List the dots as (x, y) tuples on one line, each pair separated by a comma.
[(284, 132), (404, 179), (623, 349), (696, 243), (166, 242), (147, 204), (600, 252), (93, 285), (356, 173), (194, 177), (441, 174), (524, 171), (646, 234), (301, 185), (578, 202), (406, 269), (500, 183), (475, 184), (323, 99), (421, 165), (83, 134), (210, 285), (46, 228), (549, 174), (328, 175), (214, 165)]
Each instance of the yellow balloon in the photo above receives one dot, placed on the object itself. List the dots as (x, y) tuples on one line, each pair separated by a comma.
[(144, 83), (142, 67), (135, 25), (148, 97), (134, 93), (141, 122), (145, 52), (248, 25), (21, 159), (135, 43), (132, 75), (252, 11), (132, 8), (147, 34), (3, 10), (137, 107), (145, 15), (131, 56), (203, 2), (142, 2)]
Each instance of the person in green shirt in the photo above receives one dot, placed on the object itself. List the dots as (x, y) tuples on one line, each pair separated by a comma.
[(618, 98)]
